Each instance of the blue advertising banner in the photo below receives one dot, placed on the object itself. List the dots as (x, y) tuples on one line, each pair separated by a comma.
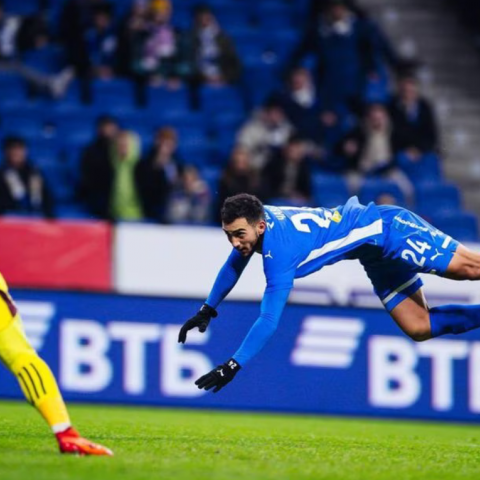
[(106, 348)]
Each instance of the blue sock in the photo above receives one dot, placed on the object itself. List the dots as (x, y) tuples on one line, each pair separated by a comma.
[(454, 319)]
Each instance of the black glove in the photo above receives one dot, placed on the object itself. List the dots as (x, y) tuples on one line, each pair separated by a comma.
[(200, 320), (219, 376)]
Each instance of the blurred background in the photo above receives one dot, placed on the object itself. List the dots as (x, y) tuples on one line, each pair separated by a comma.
[(125, 124)]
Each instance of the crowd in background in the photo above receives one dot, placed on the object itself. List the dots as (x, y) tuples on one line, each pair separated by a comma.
[(319, 120)]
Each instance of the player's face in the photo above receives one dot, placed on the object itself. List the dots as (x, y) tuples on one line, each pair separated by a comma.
[(243, 236)]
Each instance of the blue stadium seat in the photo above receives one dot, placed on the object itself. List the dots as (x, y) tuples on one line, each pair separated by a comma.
[(425, 170), (76, 138), (183, 119), (113, 96), (13, 90), (230, 14), (23, 126), (49, 59), (462, 226), (199, 154), (250, 45), (372, 189), (73, 211), (272, 14), (43, 154), (22, 8), (437, 199), (161, 100), (224, 143), (59, 181), (221, 98), (226, 120), (329, 190), (212, 176), (258, 83)]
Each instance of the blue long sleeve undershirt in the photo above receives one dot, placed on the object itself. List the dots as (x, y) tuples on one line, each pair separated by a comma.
[(227, 278), (273, 303)]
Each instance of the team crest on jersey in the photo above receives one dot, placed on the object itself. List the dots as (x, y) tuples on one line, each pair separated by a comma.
[(337, 217)]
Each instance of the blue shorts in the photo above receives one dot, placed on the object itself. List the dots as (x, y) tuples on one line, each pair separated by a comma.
[(410, 246)]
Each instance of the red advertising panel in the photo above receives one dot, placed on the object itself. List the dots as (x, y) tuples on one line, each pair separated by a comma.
[(72, 255)]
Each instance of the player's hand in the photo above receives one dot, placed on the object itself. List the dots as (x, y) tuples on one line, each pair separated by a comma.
[(200, 320), (219, 376)]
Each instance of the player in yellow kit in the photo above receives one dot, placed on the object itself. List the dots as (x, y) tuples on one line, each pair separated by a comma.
[(37, 381)]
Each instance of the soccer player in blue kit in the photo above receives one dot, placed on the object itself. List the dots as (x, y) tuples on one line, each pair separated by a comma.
[(393, 244)]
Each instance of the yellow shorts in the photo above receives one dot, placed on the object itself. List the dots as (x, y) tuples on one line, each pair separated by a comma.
[(13, 341)]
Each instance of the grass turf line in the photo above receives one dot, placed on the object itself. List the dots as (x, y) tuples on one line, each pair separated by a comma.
[(181, 444)]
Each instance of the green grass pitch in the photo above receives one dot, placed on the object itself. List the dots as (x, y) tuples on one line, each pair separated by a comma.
[(180, 444)]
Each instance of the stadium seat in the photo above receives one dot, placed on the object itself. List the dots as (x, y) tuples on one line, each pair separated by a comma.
[(22, 126), (221, 98), (437, 199), (372, 189), (199, 155), (275, 15), (22, 8), (329, 190), (14, 92), (161, 100), (212, 176), (425, 170), (226, 120), (59, 181), (49, 59), (462, 226), (114, 96)]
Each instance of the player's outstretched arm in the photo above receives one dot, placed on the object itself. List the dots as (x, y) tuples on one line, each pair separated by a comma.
[(262, 330), (225, 281), (201, 320)]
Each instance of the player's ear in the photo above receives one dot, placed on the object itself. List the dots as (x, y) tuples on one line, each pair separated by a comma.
[(261, 226)]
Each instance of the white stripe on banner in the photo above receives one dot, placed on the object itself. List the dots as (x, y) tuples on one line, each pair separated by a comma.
[(322, 359), (331, 325), (328, 343), (354, 236)]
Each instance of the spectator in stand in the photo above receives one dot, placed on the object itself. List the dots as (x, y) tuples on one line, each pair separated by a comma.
[(102, 43), (190, 201), (288, 174), (22, 187), (369, 152), (96, 170), (76, 19), (157, 47), (344, 46), (267, 130), (159, 174), (125, 201), (212, 52), (302, 104), (415, 129), (18, 34), (238, 177)]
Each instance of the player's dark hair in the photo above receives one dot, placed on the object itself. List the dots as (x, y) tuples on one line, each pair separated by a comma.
[(242, 205)]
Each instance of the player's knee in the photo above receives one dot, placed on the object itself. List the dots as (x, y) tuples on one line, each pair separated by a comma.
[(419, 335), (421, 331)]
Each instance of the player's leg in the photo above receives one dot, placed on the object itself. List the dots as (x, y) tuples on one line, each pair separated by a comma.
[(37, 381), (420, 247), (413, 317)]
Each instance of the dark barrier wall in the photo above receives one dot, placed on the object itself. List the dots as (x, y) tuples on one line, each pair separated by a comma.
[(109, 348)]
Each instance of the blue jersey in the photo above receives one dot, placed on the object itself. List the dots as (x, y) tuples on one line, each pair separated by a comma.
[(393, 245), (300, 241)]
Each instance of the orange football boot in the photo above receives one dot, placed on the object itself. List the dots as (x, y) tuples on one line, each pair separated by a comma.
[(70, 441)]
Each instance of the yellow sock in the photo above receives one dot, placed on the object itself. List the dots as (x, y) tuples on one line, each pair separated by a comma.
[(34, 376)]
